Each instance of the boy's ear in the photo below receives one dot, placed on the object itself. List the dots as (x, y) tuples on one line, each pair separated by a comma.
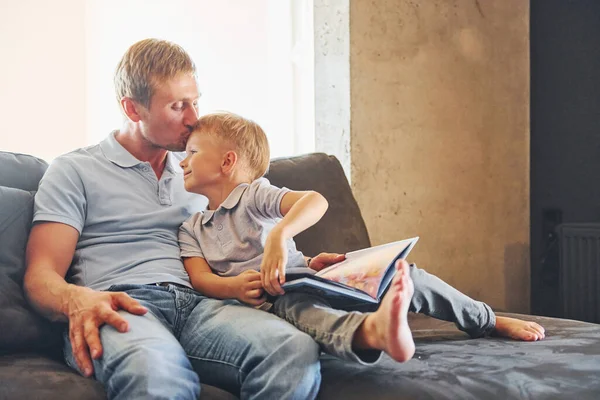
[(229, 162), (130, 108)]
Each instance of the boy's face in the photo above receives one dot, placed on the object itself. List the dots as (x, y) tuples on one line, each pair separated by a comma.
[(202, 166), (173, 110)]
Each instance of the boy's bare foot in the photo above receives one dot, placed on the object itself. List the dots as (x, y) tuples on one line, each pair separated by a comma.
[(387, 328), (518, 329)]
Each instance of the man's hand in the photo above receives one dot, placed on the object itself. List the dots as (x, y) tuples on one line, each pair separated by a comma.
[(87, 311), (324, 260), (249, 288), (272, 268)]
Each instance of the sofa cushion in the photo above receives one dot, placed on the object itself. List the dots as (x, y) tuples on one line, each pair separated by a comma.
[(31, 376), (342, 229), (21, 171), (23, 328)]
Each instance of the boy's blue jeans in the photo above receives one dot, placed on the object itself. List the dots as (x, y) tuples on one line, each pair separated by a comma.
[(185, 335), (248, 351)]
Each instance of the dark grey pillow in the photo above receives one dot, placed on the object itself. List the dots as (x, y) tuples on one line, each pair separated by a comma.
[(22, 328)]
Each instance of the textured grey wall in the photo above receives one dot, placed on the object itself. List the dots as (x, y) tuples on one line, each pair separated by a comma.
[(440, 137)]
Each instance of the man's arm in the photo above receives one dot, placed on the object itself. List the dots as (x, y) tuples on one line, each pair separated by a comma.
[(245, 287), (50, 250)]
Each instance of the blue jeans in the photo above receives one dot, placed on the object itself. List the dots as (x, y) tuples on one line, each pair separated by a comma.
[(186, 337)]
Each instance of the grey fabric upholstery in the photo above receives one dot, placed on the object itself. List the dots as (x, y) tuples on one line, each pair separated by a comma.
[(21, 171), (447, 365), (21, 328), (342, 229)]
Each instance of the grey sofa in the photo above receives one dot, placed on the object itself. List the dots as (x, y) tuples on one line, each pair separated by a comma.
[(447, 365)]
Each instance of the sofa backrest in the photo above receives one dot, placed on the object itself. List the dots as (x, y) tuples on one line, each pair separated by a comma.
[(342, 229), (21, 171), (22, 328)]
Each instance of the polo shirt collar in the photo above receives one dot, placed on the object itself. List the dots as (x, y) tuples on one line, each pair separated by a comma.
[(116, 153), (231, 201)]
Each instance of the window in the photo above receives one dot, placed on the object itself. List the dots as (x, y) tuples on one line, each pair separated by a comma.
[(254, 58)]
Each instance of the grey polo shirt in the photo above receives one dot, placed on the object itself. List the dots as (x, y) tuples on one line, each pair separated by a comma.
[(232, 237), (127, 219)]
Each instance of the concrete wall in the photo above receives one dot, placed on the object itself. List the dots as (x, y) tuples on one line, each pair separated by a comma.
[(440, 137)]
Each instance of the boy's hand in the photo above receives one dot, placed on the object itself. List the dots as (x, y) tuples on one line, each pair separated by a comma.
[(273, 264), (249, 288)]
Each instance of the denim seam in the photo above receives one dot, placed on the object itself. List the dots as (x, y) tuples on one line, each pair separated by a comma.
[(242, 374), (216, 361)]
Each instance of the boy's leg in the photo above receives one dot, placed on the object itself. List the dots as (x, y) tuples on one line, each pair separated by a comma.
[(353, 335), (146, 362), (437, 299), (250, 352)]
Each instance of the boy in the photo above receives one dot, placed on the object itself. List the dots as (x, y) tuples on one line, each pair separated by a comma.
[(242, 245)]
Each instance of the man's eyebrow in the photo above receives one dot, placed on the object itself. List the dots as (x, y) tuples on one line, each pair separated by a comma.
[(192, 98)]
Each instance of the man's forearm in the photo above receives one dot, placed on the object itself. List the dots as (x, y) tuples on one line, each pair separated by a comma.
[(49, 294)]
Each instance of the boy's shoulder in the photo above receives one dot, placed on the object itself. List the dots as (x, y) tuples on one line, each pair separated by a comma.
[(192, 221)]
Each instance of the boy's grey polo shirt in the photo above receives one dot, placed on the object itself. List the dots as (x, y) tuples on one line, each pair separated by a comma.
[(127, 219), (232, 237)]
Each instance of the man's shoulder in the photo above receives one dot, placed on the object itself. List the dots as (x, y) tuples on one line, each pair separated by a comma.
[(82, 154), (76, 159)]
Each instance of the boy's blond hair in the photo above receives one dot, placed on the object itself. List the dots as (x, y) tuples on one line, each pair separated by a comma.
[(245, 136), (148, 63)]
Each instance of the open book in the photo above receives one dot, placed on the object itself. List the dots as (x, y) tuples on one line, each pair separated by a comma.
[(362, 277)]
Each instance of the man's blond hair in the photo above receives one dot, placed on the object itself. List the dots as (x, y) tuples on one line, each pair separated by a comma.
[(148, 63), (245, 136)]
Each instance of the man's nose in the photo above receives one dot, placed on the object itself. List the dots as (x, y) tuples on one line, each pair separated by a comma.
[(191, 116)]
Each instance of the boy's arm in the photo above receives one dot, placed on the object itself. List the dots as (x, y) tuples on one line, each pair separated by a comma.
[(301, 210), (245, 287)]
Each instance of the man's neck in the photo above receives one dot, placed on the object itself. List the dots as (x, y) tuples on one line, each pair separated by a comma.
[(140, 148)]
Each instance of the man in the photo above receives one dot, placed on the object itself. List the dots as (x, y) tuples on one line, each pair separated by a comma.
[(108, 215)]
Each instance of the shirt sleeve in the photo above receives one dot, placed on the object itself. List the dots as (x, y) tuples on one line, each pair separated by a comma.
[(61, 196), (189, 245), (266, 198)]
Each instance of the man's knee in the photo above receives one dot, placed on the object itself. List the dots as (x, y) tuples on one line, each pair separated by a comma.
[(150, 372)]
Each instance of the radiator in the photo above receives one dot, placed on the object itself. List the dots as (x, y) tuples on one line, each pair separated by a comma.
[(579, 271)]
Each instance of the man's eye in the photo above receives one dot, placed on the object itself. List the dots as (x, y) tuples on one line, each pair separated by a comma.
[(178, 106)]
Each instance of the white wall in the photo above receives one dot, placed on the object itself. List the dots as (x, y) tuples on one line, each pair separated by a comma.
[(56, 89), (242, 60), (42, 76)]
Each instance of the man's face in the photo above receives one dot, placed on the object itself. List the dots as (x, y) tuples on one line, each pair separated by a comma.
[(173, 110)]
